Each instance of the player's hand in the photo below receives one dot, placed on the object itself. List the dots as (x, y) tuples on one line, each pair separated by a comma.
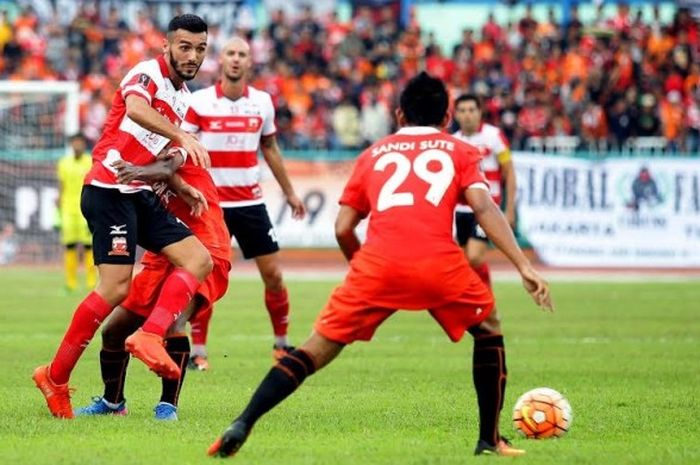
[(537, 287), (194, 198), (126, 172), (297, 206), (200, 156)]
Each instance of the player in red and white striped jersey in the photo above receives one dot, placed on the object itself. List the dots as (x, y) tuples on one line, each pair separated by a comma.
[(497, 165), (233, 120), (145, 116)]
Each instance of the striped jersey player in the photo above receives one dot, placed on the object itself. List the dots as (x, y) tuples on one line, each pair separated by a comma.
[(145, 116), (234, 120), (497, 166)]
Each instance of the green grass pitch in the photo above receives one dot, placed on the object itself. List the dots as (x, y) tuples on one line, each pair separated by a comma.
[(625, 355)]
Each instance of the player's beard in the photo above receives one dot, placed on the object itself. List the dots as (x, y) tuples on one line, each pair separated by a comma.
[(180, 74), (233, 78)]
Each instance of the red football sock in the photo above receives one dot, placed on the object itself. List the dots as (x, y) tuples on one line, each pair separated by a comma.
[(200, 326), (177, 291), (277, 304), (484, 273), (87, 318)]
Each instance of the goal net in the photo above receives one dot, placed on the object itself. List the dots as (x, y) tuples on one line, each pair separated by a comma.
[(36, 118)]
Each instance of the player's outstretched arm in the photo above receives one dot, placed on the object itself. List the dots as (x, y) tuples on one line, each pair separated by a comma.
[(273, 157), (160, 170), (345, 223), (498, 230), (141, 112)]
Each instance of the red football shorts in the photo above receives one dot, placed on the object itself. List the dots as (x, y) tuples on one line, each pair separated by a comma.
[(146, 286), (375, 288)]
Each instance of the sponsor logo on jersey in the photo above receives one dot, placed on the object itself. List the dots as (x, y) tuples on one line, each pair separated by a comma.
[(144, 80)]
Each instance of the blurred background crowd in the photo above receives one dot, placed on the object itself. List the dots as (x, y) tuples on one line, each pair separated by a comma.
[(599, 85)]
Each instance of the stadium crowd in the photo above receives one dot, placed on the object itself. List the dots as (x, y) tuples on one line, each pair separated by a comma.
[(335, 83)]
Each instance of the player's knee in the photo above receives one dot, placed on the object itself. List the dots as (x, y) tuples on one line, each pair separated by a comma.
[(112, 338), (201, 264), (114, 290), (272, 277), (476, 260)]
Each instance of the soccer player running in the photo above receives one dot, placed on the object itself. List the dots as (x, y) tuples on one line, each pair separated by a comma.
[(71, 171), (497, 165), (210, 229), (408, 184), (146, 112), (233, 120)]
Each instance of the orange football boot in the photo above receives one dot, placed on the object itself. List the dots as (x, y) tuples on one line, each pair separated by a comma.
[(57, 395), (503, 448), (150, 349)]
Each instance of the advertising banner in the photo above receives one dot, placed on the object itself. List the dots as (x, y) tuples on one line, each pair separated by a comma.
[(319, 184), (619, 212)]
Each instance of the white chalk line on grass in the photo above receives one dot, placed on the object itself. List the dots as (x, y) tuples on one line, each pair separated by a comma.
[(518, 340), (597, 276)]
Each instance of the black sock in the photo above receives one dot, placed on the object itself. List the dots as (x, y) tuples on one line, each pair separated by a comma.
[(489, 373), (113, 365), (178, 347), (283, 379)]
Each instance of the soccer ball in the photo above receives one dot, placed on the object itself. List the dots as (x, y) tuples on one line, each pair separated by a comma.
[(542, 413)]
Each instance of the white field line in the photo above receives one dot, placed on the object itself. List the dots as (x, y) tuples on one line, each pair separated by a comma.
[(337, 274)]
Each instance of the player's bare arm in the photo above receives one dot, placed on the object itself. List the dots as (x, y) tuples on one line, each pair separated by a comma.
[(164, 169), (496, 227), (509, 180), (141, 112), (273, 157), (345, 223)]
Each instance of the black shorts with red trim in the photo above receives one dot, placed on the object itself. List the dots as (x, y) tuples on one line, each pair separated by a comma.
[(118, 222)]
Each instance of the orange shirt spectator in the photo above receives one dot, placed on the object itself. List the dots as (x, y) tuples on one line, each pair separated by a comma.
[(659, 45), (594, 125), (299, 100), (575, 65), (410, 51), (484, 52), (671, 113), (624, 69)]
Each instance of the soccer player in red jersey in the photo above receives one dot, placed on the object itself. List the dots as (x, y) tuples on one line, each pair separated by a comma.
[(233, 120), (408, 184), (210, 229), (146, 112)]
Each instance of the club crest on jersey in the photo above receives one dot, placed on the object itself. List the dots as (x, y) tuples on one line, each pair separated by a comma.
[(119, 247)]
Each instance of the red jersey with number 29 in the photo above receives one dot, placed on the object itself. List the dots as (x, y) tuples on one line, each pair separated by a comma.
[(409, 184)]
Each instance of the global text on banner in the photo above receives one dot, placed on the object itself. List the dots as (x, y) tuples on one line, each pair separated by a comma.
[(619, 212)]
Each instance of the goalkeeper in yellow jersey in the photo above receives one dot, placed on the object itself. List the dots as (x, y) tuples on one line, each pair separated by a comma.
[(71, 171)]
